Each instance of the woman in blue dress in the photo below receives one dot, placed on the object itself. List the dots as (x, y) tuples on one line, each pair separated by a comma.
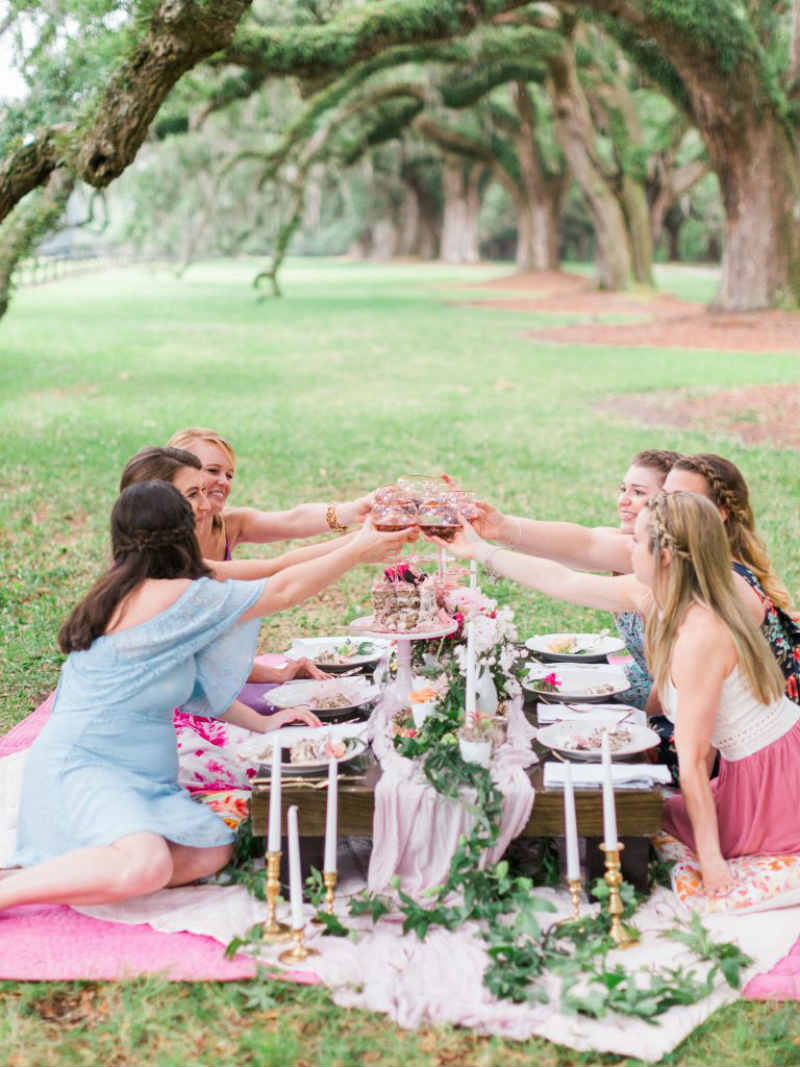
[(102, 816)]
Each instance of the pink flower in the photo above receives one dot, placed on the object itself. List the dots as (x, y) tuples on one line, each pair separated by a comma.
[(551, 679)]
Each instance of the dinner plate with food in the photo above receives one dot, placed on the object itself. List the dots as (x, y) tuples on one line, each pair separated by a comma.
[(338, 654), (329, 698), (575, 683), (308, 754), (583, 741), (576, 648)]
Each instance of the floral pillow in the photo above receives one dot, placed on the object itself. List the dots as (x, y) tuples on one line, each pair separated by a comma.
[(232, 805), (762, 882)]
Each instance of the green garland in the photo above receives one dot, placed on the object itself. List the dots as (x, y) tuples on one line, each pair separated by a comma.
[(520, 951)]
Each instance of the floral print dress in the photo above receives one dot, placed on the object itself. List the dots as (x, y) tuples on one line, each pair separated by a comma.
[(782, 634)]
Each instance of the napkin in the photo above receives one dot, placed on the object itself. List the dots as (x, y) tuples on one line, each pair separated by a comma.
[(593, 714), (624, 775)]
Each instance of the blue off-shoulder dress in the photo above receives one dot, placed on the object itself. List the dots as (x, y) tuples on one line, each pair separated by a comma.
[(106, 763)]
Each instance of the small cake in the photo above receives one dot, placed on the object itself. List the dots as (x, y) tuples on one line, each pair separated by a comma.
[(404, 600)]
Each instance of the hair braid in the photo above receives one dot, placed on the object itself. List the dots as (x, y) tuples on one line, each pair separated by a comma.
[(728, 490)]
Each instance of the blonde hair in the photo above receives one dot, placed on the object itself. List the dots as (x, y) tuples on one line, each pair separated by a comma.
[(728, 489), (186, 438), (699, 572)]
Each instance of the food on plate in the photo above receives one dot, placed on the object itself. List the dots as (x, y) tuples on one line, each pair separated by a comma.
[(347, 651), (618, 738), (331, 701), (550, 683), (316, 750), (404, 600)]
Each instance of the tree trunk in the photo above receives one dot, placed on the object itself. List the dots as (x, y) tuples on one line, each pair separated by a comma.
[(575, 133), (759, 176), (28, 224), (459, 239), (634, 203), (539, 201)]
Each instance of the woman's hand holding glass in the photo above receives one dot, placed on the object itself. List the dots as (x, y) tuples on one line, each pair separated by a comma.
[(465, 542), (375, 546)]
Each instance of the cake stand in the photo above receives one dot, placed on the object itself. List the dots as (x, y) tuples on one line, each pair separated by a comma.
[(403, 683)]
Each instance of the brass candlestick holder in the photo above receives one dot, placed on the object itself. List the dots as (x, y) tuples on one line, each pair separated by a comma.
[(329, 878), (575, 892), (299, 950), (613, 879), (274, 931)]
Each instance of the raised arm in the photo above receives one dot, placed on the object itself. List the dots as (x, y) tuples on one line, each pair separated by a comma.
[(295, 584), (624, 593), (247, 569), (591, 548), (306, 520), (703, 657)]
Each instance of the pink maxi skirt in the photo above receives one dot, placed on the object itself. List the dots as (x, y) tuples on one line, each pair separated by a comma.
[(757, 800)]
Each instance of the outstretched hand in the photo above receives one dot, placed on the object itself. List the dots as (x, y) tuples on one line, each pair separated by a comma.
[(465, 543), (375, 546), (717, 878)]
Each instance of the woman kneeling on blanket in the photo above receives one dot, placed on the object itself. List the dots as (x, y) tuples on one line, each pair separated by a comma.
[(714, 672), (102, 816)]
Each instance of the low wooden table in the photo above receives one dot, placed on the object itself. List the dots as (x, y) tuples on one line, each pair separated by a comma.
[(638, 813)]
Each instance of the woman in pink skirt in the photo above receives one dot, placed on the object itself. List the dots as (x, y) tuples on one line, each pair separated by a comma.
[(714, 671)]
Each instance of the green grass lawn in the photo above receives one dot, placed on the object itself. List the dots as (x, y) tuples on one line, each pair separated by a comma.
[(358, 374)]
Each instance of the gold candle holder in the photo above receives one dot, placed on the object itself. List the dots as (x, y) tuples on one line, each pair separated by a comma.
[(329, 878), (299, 950), (575, 892), (274, 931), (613, 879)]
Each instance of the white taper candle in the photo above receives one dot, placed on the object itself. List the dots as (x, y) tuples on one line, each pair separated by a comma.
[(571, 827), (331, 815), (469, 704), (274, 839), (473, 574), (295, 884), (609, 808)]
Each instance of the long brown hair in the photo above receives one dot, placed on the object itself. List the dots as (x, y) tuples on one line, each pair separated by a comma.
[(157, 464), (152, 536), (728, 490), (699, 572)]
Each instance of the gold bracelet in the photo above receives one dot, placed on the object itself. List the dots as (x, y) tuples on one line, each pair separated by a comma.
[(333, 520)]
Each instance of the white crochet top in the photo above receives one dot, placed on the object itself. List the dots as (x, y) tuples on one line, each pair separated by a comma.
[(743, 725)]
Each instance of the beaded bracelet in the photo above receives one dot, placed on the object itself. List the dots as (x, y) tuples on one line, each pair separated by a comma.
[(333, 520)]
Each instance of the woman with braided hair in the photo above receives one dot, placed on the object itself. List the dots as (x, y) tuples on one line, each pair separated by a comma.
[(594, 548), (713, 671), (722, 482), (102, 816)]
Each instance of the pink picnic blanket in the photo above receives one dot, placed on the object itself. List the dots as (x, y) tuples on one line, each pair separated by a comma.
[(53, 942)]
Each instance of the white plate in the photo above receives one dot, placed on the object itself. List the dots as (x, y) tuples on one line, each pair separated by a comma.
[(366, 625), (577, 681), (261, 754), (359, 689), (314, 648), (561, 737), (594, 647)]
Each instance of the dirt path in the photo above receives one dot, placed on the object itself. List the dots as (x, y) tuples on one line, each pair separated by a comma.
[(756, 414)]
